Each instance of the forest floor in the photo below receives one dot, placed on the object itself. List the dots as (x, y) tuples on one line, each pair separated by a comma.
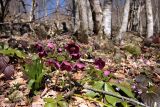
[(131, 71)]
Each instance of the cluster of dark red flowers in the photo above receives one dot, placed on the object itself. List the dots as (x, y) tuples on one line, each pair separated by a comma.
[(74, 52)]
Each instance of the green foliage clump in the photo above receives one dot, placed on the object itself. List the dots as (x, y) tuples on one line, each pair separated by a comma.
[(132, 49), (12, 52), (56, 102), (35, 74)]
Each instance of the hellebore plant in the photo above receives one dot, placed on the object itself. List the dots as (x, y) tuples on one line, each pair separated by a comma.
[(51, 45), (99, 63), (39, 47), (56, 64), (75, 56), (66, 66), (72, 48), (79, 66), (106, 73), (59, 50), (42, 54)]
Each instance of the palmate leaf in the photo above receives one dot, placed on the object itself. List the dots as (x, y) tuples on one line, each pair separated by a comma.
[(97, 85), (110, 99), (125, 87)]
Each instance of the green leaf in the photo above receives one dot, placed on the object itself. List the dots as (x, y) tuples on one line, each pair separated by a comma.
[(19, 54), (62, 104), (110, 99), (98, 85), (91, 94), (60, 58), (125, 87), (49, 100), (50, 105), (59, 97), (125, 104), (11, 51), (30, 84)]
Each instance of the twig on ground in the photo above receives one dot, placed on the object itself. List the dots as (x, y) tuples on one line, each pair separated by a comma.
[(111, 94)]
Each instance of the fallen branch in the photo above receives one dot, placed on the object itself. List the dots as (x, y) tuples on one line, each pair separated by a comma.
[(118, 96), (111, 94)]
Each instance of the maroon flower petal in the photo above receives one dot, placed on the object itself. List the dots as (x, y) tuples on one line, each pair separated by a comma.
[(39, 47), (66, 66), (75, 56), (42, 54), (56, 64), (49, 62), (79, 66), (72, 48), (99, 63)]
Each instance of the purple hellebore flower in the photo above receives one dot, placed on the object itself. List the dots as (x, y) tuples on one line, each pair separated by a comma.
[(106, 73), (59, 50), (79, 66), (49, 62), (99, 63), (66, 66), (42, 54), (51, 45), (56, 64), (75, 56), (39, 47), (72, 48)]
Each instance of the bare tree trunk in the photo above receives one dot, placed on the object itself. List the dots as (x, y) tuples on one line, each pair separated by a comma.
[(123, 28), (97, 16), (89, 16), (45, 10), (4, 6), (133, 23), (156, 16), (32, 14), (57, 22), (107, 14), (149, 18), (75, 13), (83, 16)]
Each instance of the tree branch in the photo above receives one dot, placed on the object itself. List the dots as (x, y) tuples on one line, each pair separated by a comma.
[(133, 101)]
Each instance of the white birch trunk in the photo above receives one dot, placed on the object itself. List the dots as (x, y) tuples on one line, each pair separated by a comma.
[(123, 28), (149, 18), (107, 14)]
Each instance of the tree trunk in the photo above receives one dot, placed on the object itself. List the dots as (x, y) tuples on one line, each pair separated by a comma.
[(75, 13), (89, 16), (149, 18), (83, 16), (123, 28), (32, 15), (107, 14), (133, 23), (4, 6), (97, 16)]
